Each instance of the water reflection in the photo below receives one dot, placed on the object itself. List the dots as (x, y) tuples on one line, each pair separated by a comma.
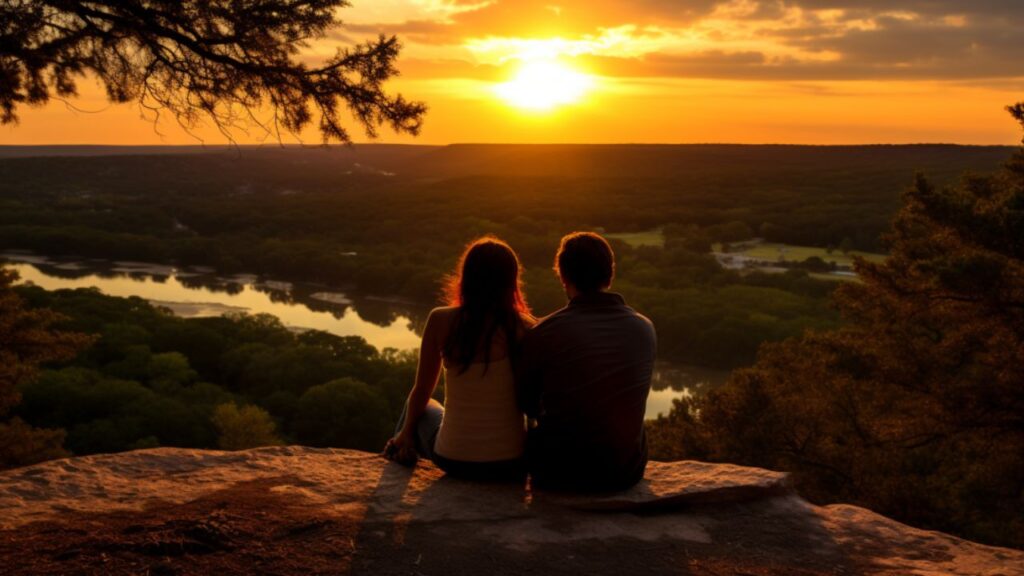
[(673, 381), (193, 293), (198, 292)]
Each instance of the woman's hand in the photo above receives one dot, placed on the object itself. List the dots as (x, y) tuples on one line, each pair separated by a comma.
[(401, 449)]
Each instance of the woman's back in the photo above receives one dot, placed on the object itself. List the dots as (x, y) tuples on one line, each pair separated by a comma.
[(482, 421)]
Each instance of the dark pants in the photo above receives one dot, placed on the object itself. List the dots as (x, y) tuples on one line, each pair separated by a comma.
[(426, 435), (426, 429), (572, 466)]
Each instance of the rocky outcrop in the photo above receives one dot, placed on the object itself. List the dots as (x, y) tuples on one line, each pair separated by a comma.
[(295, 510)]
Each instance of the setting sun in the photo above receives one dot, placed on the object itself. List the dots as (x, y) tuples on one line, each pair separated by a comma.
[(543, 85)]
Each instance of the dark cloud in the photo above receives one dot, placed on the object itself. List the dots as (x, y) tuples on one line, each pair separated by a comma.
[(546, 17), (757, 66), (983, 44), (985, 41), (1000, 8), (903, 42)]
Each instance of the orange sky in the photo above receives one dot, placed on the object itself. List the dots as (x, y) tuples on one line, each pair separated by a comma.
[(750, 71)]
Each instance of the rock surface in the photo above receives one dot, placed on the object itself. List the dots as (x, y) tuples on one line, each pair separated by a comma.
[(292, 510)]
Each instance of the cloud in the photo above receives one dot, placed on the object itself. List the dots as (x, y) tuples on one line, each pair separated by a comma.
[(939, 43), (998, 8), (760, 39)]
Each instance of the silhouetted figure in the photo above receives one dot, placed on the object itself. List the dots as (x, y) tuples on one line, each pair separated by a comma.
[(584, 374), (479, 432)]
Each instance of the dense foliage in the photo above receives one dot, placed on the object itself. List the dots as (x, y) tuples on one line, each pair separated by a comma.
[(153, 379), (27, 339), (915, 406), (391, 219), (222, 60), (911, 406)]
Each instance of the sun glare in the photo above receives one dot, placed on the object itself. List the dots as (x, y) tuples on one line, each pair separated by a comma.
[(543, 85)]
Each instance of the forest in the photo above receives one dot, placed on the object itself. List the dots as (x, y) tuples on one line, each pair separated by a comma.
[(914, 405), (818, 391), (152, 379), (391, 220)]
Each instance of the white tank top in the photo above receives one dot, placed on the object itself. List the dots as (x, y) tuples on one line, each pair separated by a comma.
[(482, 421)]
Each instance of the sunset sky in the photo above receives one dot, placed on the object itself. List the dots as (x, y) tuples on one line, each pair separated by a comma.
[(748, 71)]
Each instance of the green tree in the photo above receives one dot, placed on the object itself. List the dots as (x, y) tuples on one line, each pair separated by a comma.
[(735, 231), (343, 413), (218, 59), (28, 338), (815, 264), (768, 231), (170, 369), (244, 427), (915, 407)]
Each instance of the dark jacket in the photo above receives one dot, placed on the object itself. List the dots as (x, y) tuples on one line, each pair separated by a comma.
[(584, 374)]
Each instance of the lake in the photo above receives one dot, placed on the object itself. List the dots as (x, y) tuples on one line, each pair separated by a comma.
[(197, 292)]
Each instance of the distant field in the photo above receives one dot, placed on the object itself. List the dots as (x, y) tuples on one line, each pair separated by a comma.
[(648, 238), (834, 277), (775, 252), (769, 251)]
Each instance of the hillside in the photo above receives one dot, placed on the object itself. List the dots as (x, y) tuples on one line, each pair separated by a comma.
[(692, 160), (571, 160), (307, 511)]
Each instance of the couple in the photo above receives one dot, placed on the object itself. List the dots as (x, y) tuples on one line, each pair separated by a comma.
[(580, 377)]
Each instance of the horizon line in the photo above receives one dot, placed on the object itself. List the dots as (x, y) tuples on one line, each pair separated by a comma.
[(470, 143)]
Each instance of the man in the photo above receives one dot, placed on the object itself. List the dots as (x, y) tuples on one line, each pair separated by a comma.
[(584, 374)]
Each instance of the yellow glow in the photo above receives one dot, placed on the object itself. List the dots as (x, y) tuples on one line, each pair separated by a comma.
[(543, 85), (622, 42)]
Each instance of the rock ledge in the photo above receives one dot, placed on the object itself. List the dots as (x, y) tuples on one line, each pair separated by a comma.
[(294, 510)]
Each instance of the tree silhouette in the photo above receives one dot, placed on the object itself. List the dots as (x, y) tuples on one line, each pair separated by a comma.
[(226, 60)]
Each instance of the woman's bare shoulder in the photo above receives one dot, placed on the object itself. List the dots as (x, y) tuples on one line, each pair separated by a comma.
[(444, 311), (439, 324), (441, 318)]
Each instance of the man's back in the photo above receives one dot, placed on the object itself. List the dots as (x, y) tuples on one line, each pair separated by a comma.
[(585, 374)]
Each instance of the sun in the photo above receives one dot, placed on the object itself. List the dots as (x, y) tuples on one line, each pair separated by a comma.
[(542, 85)]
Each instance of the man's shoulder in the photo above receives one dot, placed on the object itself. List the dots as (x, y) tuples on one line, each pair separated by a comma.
[(644, 319)]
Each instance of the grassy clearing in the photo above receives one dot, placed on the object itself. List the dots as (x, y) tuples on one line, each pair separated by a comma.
[(649, 238), (767, 251), (835, 277), (773, 252)]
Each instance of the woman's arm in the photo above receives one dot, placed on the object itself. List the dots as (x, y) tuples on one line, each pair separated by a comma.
[(427, 373)]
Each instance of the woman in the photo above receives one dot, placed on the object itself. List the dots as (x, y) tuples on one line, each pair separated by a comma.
[(479, 432)]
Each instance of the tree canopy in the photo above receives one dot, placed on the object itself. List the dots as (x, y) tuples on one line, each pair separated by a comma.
[(27, 340), (154, 379), (224, 60), (914, 407)]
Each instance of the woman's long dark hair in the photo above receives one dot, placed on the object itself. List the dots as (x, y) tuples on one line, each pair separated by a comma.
[(487, 290)]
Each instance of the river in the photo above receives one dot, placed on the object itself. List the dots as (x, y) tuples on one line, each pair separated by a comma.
[(196, 292)]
